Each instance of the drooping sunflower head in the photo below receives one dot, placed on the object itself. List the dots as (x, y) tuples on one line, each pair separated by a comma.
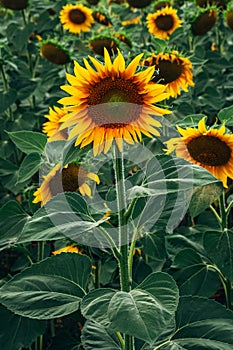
[(54, 53), (15, 5), (111, 102), (211, 148), (76, 18), (51, 127), (71, 178), (161, 4), (99, 43), (205, 21), (124, 38), (139, 3), (102, 18), (228, 15), (219, 3), (92, 2), (174, 71), (163, 22)]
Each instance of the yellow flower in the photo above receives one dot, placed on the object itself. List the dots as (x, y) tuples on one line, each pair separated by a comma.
[(174, 70), (111, 102), (51, 128), (68, 249), (102, 18), (76, 18), (210, 148), (163, 22), (71, 178), (128, 22)]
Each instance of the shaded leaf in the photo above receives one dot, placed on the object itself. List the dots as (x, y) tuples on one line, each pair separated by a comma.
[(28, 141)]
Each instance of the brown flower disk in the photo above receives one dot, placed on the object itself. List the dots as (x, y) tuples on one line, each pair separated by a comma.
[(204, 22)]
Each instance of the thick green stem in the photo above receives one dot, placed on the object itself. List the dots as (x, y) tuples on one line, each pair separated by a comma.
[(223, 211), (122, 230), (40, 251)]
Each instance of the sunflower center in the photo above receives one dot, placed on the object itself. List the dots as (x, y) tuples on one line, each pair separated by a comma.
[(77, 16), (114, 103), (69, 180), (168, 71), (164, 22), (209, 150)]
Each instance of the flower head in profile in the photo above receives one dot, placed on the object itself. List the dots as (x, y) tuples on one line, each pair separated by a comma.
[(111, 102), (163, 22), (51, 127), (102, 18), (205, 21), (211, 148), (139, 3), (54, 52), (76, 18), (15, 5), (174, 71), (71, 178), (228, 15), (68, 249), (101, 42)]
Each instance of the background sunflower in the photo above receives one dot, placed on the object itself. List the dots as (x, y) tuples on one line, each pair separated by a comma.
[(76, 18)]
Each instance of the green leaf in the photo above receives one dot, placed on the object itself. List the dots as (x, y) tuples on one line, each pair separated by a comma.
[(219, 247), (66, 214), (13, 218), (203, 197), (201, 324), (7, 99), (28, 141), (194, 275), (16, 331), (95, 336), (95, 305), (51, 288), (29, 166), (146, 311), (226, 115)]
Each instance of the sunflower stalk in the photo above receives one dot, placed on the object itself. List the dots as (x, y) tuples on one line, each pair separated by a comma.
[(225, 283), (123, 232), (223, 212)]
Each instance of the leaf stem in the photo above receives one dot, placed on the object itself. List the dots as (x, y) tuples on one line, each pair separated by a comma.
[(225, 284), (121, 340), (223, 211)]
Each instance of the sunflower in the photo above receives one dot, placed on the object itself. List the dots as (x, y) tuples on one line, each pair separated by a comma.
[(71, 178), (160, 4), (51, 127), (174, 70), (124, 38), (210, 148), (229, 17), (111, 102), (98, 44), (15, 5), (102, 18), (139, 3), (163, 22), (204, 22), (68, 249), (131, 21), (219, 3), (54, 53), (76, 18)]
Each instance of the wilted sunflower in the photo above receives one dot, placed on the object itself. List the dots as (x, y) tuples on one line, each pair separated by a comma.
[(54, 53), (111, 102), (204, 22), (174, 71), (102, 18), (219, 3), (210, 148), (51, 127), (71, 178), (76, 18), (139, 3), (15, 5), (98, 44), (163, 22)]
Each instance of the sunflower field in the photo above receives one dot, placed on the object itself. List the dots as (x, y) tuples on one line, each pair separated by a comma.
[(116, 175)]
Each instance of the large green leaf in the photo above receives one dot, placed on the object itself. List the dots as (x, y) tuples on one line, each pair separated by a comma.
[(28, 141), (219, 247), (51, 288), (225, 115), (194, 275), (95, 336), (17, 331), (29, 166), (67, 214), (201, 324), (146, 311), (6, 99), (203, 197), (13, 218)]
